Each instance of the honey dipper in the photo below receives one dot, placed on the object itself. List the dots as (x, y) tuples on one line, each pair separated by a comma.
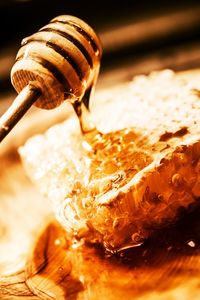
[(59, 62)]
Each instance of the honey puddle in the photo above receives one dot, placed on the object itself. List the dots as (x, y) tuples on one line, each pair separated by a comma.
[(169, 261)]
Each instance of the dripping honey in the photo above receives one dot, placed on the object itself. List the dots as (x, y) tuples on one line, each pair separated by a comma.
[(81, 108), (84, 117)]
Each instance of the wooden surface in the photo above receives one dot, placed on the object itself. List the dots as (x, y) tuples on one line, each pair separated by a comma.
[(38, 262)]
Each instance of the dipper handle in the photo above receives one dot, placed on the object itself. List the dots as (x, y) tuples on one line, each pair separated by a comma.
[(18, 109)]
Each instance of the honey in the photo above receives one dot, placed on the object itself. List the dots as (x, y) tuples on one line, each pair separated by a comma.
[(60, 269), (84, 116), (109, 157)]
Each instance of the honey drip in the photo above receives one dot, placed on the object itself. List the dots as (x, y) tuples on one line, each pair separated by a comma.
[(81, 108), (84, 117)]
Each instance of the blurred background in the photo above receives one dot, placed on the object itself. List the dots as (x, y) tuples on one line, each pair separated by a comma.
[(137, 36)]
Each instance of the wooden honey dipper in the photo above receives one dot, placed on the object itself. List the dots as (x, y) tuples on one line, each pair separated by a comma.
[(59, 62)]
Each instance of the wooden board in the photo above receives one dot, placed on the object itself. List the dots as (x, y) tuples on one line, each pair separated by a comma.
[(38, 262)]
